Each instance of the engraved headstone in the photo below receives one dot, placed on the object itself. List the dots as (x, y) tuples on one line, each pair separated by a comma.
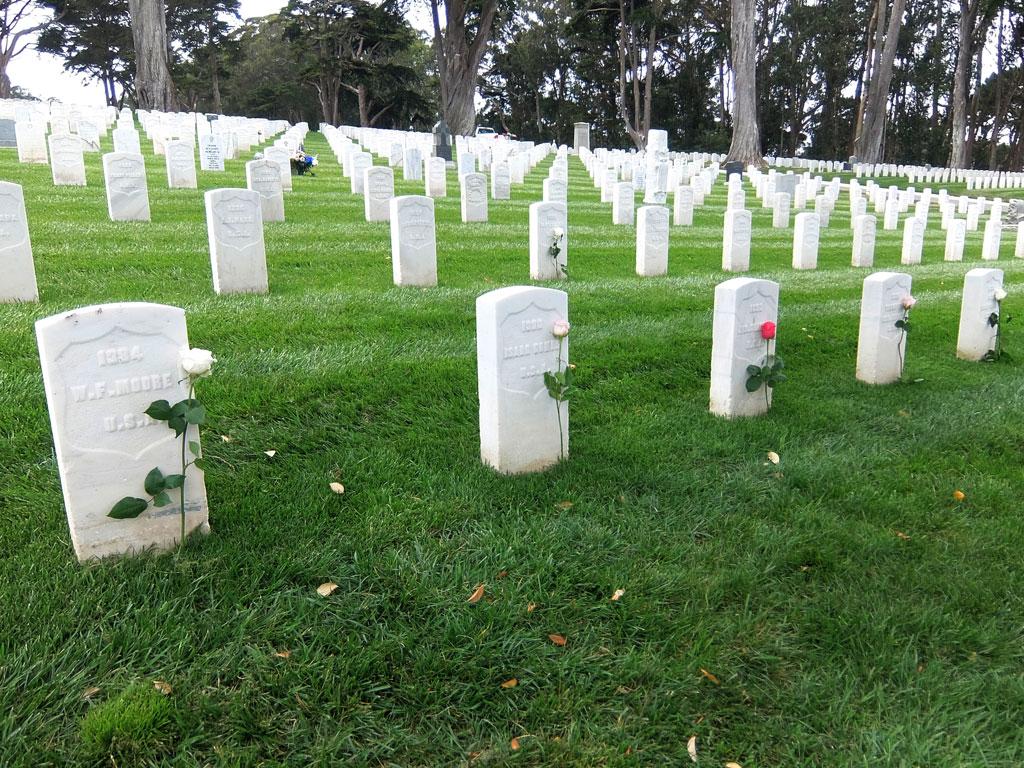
[(555, 191), (622, 203), (238, 256), (864, 234), (211, 153), (473, 194), (361, 161), (736, 241), (283, 159), (413, 241), (102, 367), (436, 183), (67, 161), (19, 275), (977, 334), (742, 305), (412, 164), (881, 346), (379, 188), (652, 241), (993, 239), (581, 136), (913, 241), (264, 177), (805, 241), (956, 234), (522, 428), (547, 220), (31, 143), (501, 181), (780, 214), (180, 160), (682, 207), (127, 192)]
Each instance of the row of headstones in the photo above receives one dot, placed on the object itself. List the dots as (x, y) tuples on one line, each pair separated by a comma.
[(103, 365)]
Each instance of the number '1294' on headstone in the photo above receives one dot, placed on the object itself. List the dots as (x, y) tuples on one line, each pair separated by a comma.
[(102, 367)]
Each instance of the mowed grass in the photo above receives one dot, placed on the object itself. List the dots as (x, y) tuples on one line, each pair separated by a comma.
[(840, 609)]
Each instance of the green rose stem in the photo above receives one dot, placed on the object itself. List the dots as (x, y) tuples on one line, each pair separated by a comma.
[(767, 386), (899, 341), (558, 405), (184, 466)]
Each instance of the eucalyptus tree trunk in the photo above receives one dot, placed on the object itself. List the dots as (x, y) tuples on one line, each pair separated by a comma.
[(154, 87), (746, 137), (458, 60), (964, 58), (869, 144)]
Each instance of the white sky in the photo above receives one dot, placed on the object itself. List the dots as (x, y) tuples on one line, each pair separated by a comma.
[(44, 76)]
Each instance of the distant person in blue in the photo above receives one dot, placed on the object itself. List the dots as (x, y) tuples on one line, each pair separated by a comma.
[(303, 163)]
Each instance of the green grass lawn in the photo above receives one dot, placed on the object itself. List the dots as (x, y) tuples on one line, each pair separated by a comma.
[(840, 609)]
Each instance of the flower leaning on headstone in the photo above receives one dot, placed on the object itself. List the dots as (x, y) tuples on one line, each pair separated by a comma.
[(559, 381), (769, 373), (997, 320), (195, 364), (903, 324), (557, 235)]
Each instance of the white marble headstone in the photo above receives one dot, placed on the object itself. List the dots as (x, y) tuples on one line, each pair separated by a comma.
[(977, 334), (18, 281), (652, 241), (682, 207), (742, 305), (234, 223), (622, 203), (67, 160), (211, 153), (31, 139), (993, 239), (127, 192), (413, 241), (519, 420), (913, 241), (545, 221), (436, 182), (102, 367), (180, 160), (501, 181), (473, 197), (864, 234), (956, 235), (805, 240), (264, 177), (361, 161), (378, 189), (736, 240), (881, 347)]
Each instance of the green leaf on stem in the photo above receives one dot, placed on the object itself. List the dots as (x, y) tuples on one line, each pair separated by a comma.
[(127, 508), (159, 410), (161, 499), (200, 464), (154, 482), (194, 412), (193, 445), (174, 481)]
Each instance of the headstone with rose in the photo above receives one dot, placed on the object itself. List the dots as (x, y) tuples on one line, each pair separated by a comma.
[(523, 378), (103, 366), (413, 241), (981, 315), (16, 264), (234, 224), (744, 367), (549, 241), (884, 326)]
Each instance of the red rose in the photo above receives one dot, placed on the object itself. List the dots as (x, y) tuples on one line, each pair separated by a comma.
[(768, 330)]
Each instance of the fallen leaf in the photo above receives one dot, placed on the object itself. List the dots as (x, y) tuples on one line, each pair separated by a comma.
[(164, 688), (691, 747), (512, 683), (904, 414), (710, 676), (91, 691), (477, 594), (618, 594), (502, 574), (773, 457), (902, 535), (557, 639), (271, 454), (283, 654), (326, 588), (337, 488), (225, 438), (959, 495), (530, 607), (514, 744), (563, 505), (733, 765)]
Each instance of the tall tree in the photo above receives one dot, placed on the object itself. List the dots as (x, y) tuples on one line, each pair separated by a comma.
[(16, 31), (879, 80), (154, 88), (746, 137), (459, 47)]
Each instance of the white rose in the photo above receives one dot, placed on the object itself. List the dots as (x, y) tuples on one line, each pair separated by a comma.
[(557, 233), (196, 363), (999, 295)]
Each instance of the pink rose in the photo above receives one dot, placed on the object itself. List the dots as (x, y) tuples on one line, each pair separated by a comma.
[(560, 329), (909, 301)]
